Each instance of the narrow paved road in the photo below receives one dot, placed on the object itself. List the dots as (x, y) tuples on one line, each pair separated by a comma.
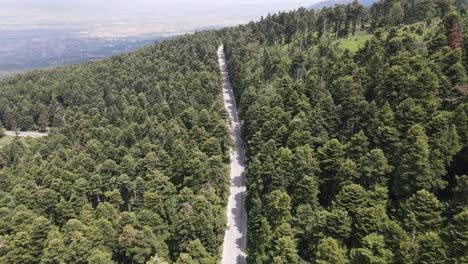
[(25, 134), (236, 232)]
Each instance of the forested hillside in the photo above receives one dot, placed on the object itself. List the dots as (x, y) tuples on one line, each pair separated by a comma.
[(356, 127), (134, 167)]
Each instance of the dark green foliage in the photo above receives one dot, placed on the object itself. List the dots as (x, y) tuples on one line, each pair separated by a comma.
[(331, 156), (373, 251), (431, 249), (456, 235), (422, 212), (329, 251), (133, 167), (385, 125), (352, 155), (351, 198), (414, 172)]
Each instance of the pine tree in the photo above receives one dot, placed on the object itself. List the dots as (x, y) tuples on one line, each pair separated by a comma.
[(43, 123), (330, 252), (394, 236), (445, 143), (278, 208), (185, 258), (338, 225), (373, 251), (306, 192), (39, 231), (100, 257), (17, 249), (284, 166), (422, 212), (455, 236), (259, 252), (375, 169), (55, 250), (198, 252), (409, 113), (348, 173), (331, 156), (357, 146), (370, 220), (431, 249), (305, 163), (351, 198), (378, 196), (414, 172), (284, 250), (388, 139)]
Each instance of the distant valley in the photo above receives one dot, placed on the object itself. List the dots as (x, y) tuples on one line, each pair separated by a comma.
[(85, 30), (36, 49)]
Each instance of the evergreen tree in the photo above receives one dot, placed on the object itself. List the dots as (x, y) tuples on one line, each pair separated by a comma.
[(372, 252), (351, 198), (357, 146), (375, 169), (331, 156), (338, 225), (455, 236), (422, 212), (284, 250), (100, 257), (330, 252), (414, 172), (278, 208), (55, 250), (198, 252), (306, 192), (39, 231), (370, 220), (284, 166)]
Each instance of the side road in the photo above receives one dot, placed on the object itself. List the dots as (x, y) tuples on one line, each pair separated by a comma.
[(25, 134)]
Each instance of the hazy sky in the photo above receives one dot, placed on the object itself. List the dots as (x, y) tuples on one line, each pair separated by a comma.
[(123, 17), (114, 7)]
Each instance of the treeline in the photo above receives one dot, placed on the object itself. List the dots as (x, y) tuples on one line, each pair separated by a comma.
[(355, 157), (135, 167)]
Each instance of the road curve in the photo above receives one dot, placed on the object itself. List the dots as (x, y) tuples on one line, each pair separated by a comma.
[(25, 134), (235, 238)]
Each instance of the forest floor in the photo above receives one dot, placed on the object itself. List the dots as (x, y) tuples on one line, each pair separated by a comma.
[(235, 238)]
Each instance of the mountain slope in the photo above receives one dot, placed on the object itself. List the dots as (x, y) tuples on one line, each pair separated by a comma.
[(355, 155), (134, 167), (355, 127)]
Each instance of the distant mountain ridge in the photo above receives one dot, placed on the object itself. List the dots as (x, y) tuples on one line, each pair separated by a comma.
[(332, 3)]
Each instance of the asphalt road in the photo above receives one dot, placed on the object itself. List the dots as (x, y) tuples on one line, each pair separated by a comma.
[(235, 238), (25, 134)]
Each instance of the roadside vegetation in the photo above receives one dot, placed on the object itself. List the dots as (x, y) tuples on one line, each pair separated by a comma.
[(355, 122)]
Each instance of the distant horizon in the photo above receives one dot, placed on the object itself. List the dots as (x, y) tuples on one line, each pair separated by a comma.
[(155, 16), (47, 33)]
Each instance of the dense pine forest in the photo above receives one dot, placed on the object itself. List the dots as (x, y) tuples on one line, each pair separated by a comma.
[(356, 129), (134, 167)]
